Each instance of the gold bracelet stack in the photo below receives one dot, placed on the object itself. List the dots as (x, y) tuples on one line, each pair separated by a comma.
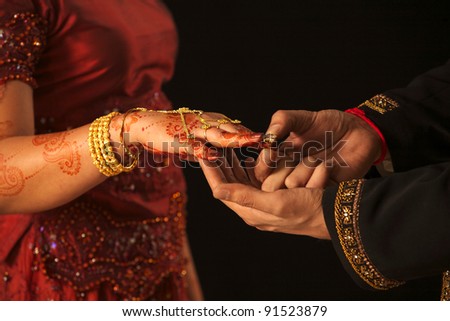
[(102, 152)]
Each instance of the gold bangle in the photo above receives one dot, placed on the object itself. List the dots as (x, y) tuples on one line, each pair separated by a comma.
[(102, 152), (95, 150), (134, 157), (111, 166)]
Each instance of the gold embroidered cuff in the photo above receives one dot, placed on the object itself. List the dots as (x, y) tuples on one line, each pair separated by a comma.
[(445, 295), (380, 103), (346, 211)]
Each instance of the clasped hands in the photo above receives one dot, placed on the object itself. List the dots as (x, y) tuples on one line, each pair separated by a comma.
[(282, 189)]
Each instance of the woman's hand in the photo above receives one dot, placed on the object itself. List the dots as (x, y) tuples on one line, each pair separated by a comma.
[(192, 135)]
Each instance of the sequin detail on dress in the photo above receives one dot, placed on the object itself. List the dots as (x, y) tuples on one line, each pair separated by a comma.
[(22, 40), (86, 247)]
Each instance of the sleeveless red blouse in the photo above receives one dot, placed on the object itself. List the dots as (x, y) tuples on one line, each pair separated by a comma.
[(122, 240)]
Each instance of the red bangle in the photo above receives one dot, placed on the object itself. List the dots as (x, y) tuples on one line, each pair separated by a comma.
[(361, 114)]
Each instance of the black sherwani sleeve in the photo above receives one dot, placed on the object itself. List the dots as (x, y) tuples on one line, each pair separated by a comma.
[(415, 120), (392, 229)]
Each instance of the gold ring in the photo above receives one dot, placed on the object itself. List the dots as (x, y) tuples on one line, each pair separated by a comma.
[(205, 129), (269, 138)]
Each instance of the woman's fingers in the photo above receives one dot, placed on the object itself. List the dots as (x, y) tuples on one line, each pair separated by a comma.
[(250, 164), (222, 131), (226, 139), (238, 169)]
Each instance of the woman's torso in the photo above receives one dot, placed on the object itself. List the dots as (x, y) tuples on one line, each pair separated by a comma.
[(123, 238)]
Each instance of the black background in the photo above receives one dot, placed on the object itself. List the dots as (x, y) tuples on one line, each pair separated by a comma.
[(249, 58)]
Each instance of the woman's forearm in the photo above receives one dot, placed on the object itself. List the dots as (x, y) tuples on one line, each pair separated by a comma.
[(45, 171)]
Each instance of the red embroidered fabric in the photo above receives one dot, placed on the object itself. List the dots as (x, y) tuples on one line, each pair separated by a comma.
[(123, 239), (22, 39)]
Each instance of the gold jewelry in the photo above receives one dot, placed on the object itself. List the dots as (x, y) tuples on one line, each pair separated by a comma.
[(221, 122), (100, 147), (133, 157), (226, 120), (269, 138), (198, 113), (102, 152), (184, 110)]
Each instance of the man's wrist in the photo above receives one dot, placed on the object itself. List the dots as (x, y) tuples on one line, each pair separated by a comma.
[(383, 146)]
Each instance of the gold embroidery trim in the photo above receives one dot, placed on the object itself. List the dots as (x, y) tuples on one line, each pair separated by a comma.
[(445, 295), (380, 103), (346, 211)]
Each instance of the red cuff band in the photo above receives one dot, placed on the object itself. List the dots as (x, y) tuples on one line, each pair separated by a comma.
[(361, 114)]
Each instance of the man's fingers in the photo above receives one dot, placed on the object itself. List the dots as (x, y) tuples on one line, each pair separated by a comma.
[(266, 163), (285, 121), (213, 173), (249, 196), (227, 166), (276, 179), (250, 164), (237, 168), (284, 124), (302, 173), (320, 177)]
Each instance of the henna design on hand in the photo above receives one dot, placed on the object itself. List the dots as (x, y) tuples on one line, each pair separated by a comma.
[(12, 180), (58, 150), (176, 131)]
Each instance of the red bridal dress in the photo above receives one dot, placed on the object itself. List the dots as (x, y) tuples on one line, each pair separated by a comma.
[(122, 240)]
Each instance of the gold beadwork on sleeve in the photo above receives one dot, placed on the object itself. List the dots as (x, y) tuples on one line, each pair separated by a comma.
[(346, 211), (22, 41), (445, 295), (380, 103)]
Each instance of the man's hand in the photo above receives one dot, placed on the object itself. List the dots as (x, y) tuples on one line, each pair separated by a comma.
[(320, 148), (293, 211)]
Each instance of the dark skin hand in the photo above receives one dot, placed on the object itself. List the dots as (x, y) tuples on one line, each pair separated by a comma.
[(335, 146), (294, 211)]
